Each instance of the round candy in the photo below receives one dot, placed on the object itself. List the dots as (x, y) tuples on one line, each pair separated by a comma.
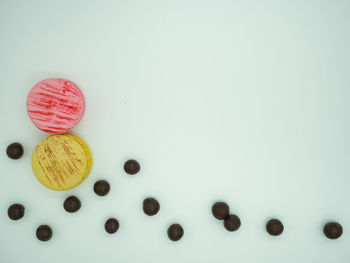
[(44, 233), (274, 227), (111, 225), (150, 206), (14, 150), (232, 223), (131, 167), (175, 232), (72, 204), (55, 105), (62, 162), (333, 230), (220, 210), (15, 211), (101, 187)]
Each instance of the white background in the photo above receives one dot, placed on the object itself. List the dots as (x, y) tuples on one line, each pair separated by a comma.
[(241, 101)]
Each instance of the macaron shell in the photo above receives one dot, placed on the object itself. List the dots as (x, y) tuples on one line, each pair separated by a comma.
[(87, 150), (59, 162), (55, 105)]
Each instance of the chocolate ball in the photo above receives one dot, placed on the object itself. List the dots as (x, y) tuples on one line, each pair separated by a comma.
[(14, 150), (15, 211), (175, 232), (111, 225), (220, 210), (150, 206), (102, 187), (274, 227), (44, 233), (333, 230), (232, 223), (72, 204), (131, 167)]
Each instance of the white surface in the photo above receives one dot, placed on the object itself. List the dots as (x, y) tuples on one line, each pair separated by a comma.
[(244, 101)]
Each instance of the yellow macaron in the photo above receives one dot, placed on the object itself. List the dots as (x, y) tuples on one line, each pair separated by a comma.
[(61, 162)]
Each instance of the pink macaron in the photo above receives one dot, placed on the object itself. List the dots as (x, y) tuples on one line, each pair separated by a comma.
[(55, 105)]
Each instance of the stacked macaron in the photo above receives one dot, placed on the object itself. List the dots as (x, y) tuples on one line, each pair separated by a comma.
[(61, 161)]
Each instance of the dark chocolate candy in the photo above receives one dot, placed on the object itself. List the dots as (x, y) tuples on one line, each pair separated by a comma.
[(15, 211), (101, 187), (175, 232), (150, 206), (131, 167), (111, 225), (333, 230), (274, 227), (72, 204), (220, 210), (44, 233), (232, 223), (14, 150)]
